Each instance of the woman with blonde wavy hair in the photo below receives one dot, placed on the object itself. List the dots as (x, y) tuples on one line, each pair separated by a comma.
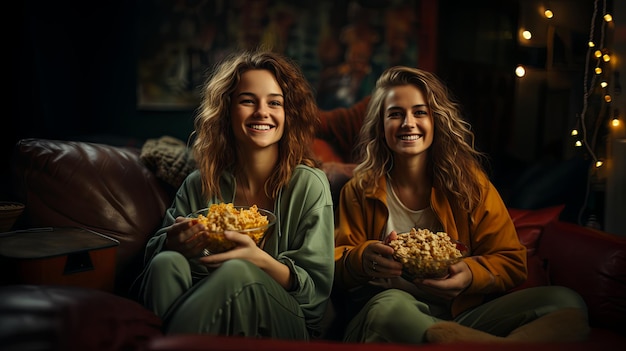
[(418, 169), (252, 143)]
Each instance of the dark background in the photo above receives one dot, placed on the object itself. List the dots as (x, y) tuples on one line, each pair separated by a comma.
[(74, 64)]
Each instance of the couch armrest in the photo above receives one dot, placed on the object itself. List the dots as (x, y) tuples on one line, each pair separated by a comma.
[(593, 263), (37, 317), (100, 187)]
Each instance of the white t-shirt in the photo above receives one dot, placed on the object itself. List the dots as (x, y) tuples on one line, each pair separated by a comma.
[(402, 219)]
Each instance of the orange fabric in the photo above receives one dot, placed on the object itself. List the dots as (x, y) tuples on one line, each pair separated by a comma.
[(341, 126), (325, 152), (498, 259)]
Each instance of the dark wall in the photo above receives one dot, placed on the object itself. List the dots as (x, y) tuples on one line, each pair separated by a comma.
[(78, 68), (74, 76), (476, 62), (521, 124)]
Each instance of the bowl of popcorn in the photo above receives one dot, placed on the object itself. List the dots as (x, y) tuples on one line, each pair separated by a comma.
[(251, 220), (425, 254), (9, 213)]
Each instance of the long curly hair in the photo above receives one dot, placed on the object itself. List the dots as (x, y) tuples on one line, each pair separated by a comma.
[(454, 163), (215, 147)]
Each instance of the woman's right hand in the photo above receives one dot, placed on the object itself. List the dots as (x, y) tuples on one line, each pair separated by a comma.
[(378, 261), (184, 236)]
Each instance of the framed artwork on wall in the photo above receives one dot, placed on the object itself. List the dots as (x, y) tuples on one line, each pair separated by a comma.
[(342, 46)]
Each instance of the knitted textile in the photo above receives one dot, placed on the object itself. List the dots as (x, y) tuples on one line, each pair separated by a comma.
[(169, 159)]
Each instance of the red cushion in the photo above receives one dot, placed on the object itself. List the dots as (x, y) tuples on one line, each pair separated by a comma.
[(221, 343), (537, 274), (593, 263), (530, 223)]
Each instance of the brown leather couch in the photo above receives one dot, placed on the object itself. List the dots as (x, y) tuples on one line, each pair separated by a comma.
[(109, 189)]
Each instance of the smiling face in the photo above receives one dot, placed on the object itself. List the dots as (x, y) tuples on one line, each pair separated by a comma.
[(408, 123), (257, 110)]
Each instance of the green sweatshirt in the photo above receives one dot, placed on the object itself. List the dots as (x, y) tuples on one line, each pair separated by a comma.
[(302, 237)]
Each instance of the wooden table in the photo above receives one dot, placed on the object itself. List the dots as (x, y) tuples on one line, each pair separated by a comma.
[(59, 256)]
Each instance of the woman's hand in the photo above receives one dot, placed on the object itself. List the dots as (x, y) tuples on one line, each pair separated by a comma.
[(245, 248), (455, 283), (378, 261), (185, 237)]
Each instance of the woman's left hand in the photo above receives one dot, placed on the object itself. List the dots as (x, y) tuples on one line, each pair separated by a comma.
[(245, 248), (455, 283)]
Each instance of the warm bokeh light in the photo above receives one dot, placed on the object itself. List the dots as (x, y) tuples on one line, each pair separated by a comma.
[(599, 163), (604, 84), (527, 34), (615, 122), (591, 44), (608, 17), (607, 98), (520, 71), (597, 53), (579, 143), (574, 132), (606, 57), (548, 13), (598, 70)]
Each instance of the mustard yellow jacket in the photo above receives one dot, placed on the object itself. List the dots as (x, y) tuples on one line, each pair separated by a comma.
[(496, 258)]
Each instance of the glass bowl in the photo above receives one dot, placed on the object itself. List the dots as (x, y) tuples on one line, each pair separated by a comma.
[(242, 219), (419, 268)]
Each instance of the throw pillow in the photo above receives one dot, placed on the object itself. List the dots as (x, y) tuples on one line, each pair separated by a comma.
[(169, 158), (529, 225)]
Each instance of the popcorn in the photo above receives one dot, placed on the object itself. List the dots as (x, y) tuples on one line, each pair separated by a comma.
[(425, 254), (225, 216)]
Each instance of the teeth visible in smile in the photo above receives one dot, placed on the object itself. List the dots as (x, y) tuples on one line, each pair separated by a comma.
[(409, 137), (260, 127)]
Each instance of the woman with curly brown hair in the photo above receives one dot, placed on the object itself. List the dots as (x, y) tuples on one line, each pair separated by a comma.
[(418, 169), (253, 134)]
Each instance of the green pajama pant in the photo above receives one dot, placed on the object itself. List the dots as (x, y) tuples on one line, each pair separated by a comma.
[(396, 316), (237, 298)]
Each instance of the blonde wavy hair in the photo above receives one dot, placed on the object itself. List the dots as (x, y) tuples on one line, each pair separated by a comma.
[(454, 163), (214, 146)]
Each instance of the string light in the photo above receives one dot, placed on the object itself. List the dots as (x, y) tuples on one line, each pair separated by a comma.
[(615, 120), (548, 13), (520, 71), (574, 131), (601, 55), (597, 70)]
